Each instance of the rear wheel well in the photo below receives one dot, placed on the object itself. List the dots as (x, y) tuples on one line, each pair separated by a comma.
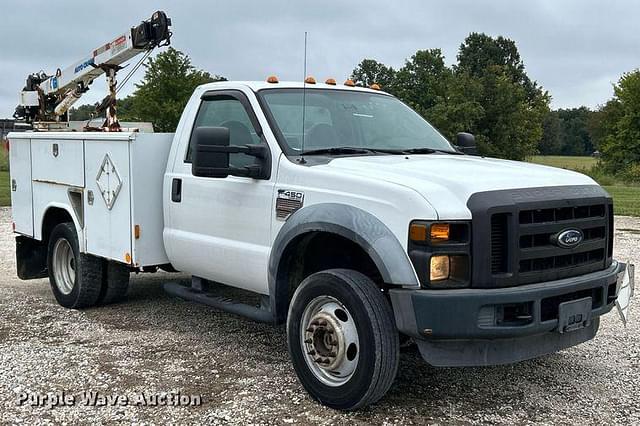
[(53, 217), (318, 251), (31, 255)]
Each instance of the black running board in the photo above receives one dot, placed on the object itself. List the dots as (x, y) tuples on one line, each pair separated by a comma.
[(195, 294)]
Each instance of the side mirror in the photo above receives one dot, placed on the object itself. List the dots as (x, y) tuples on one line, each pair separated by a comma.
[(211, 150), (206, 161), (466, 143)]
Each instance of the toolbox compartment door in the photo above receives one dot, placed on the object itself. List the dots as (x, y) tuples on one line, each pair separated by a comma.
[(107, 201), (58, 161), (21, 185)]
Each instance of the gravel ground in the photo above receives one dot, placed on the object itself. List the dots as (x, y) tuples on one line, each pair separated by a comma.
[(153, 344)]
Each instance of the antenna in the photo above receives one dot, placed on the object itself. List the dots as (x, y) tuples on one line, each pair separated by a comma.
[(304, 98)]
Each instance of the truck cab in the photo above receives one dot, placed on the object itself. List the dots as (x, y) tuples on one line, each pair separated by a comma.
[(353, 219)]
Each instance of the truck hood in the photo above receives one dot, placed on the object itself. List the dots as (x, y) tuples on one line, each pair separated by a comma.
[(447, 181)]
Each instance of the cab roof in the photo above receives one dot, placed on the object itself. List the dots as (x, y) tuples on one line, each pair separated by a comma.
[(259, 85)]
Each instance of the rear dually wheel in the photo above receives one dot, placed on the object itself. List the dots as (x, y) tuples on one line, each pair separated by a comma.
[(76, 278)]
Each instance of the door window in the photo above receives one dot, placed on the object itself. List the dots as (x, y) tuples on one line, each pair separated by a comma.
[(227, 111)]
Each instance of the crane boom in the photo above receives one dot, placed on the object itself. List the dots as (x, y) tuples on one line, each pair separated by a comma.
[(45, 99)]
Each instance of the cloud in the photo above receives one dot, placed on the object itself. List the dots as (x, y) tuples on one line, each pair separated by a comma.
[(575, 49)]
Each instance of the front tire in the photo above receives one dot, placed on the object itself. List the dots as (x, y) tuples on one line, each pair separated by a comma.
[(342, 339), (76, 278)]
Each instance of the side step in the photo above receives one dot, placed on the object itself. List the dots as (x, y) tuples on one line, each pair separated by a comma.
[(196, 293)]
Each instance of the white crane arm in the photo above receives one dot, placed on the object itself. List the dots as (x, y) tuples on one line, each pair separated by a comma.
[(48, 98)]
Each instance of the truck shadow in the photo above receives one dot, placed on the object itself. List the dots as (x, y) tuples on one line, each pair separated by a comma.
[(420, 391)]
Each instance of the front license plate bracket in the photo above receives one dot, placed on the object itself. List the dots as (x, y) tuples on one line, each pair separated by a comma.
[(574, 315)]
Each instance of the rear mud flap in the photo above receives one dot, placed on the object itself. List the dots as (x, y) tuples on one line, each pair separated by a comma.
[(31, 258)]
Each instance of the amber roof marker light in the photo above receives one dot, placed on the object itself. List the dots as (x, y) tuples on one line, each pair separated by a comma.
[(310, 80), (375, 86), (350, 83), (272, 79), (330, 81)]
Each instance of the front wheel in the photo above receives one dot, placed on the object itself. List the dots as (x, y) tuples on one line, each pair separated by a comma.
[(342, 339)]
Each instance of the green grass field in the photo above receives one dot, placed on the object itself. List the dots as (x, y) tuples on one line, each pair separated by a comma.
[(4, 160), (5, 193), (626, 198), (570, 163)]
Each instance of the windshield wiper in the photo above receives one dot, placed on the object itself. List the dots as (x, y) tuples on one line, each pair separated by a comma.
[(337, 150), (420, 150), (404, 151), (387, 151), (429, 151)]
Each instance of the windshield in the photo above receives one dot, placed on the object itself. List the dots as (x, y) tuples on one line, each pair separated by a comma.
[(341, 118)]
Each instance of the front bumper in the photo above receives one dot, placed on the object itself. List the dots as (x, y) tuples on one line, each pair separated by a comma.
[(499, 326)]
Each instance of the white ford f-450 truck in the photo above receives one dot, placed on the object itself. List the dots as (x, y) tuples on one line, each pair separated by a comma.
[(358, 226)]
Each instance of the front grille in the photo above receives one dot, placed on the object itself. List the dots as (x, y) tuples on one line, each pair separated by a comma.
[(561, 214), (516, 231), (544, 239), (541, 259), (562, 261)]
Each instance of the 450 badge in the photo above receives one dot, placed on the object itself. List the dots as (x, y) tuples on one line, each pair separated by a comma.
[(288, 202)]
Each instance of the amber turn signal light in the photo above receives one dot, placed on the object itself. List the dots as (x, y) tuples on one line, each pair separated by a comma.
[(439, 232), (418, 232)]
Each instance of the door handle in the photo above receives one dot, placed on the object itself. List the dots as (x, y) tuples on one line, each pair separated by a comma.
[(176, 190)]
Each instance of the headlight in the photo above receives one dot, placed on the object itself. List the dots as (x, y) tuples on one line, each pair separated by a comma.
[(454, 268), (441, 253), (439, 268)]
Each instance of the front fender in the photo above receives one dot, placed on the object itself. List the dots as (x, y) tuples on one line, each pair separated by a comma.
[(357, 225)]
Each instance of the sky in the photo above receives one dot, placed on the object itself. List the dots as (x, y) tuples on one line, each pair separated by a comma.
[(575, 49)]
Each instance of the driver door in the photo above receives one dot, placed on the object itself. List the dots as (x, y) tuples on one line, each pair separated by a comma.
[(220, 227)]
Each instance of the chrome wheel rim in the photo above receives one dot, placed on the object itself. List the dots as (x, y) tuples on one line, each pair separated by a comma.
[(64, 266), (329, 340)]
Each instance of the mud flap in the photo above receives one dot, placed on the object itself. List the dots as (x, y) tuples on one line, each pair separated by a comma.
[(31, 258)]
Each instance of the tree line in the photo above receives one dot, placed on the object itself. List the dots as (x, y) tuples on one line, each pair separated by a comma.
[(487, 92)]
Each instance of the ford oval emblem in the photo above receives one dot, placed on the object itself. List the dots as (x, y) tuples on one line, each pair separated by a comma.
[(569, 238)]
